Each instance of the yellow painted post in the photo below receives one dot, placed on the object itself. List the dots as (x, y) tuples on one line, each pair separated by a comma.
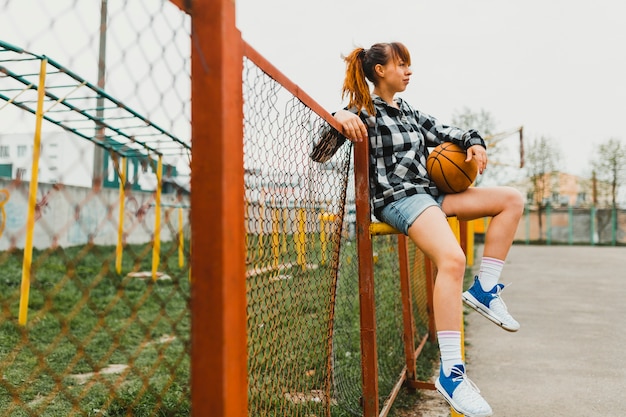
[(120, 225), (32, 200), (323, 237), (285, 222), (275, 235), (326, 219), (301, 239), (454, 225), (181, 239), (246, 228), (470, 243), (261, 224), (456, 228), (156, 248), (190, 258)]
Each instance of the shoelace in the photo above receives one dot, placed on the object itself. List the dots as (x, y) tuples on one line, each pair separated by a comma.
[(457, 376), (500, 288)]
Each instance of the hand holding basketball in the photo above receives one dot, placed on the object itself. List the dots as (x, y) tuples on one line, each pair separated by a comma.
[(449, 170)]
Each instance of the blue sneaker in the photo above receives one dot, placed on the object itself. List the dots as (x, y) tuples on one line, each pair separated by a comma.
[(490, 305), (461, 393)]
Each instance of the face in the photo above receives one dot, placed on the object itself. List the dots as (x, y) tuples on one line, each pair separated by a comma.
[(395, 75)]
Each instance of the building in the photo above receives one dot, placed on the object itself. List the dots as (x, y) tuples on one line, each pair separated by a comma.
[(67, 159), (63, 158), (566, 190)]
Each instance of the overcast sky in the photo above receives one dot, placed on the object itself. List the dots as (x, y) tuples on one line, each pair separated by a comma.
[(556, 67)]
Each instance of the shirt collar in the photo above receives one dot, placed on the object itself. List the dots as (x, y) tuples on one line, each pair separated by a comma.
[(377, 100)]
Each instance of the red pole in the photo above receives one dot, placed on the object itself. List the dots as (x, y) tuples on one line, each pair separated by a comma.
[(218, 292), (369, 355), (407, 308)]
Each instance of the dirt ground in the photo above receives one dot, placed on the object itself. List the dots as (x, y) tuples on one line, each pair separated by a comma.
[(431, 404)]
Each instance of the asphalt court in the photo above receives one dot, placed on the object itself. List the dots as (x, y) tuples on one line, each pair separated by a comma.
[(567, 359)]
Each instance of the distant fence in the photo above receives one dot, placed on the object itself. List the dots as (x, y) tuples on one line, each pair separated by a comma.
[(580, 226), (70, 216)]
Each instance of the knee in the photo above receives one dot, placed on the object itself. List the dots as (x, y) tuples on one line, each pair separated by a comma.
[(453, 264), (514, 201)]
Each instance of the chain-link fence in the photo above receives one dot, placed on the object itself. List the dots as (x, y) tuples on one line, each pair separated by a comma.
[(94, 244), (569, 225), (95, 236), (294, 212)]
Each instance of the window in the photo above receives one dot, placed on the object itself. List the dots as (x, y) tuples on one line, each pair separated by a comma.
[(20, 173), (4, 151), (21, 150)]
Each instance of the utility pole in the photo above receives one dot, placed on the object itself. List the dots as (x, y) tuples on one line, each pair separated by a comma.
[(98, 153)]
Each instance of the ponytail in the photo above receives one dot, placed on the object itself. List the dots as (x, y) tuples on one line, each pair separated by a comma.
[(360, 65), (355, 86)]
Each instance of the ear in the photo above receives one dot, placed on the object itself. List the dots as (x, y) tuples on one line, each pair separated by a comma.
[(379, 70)]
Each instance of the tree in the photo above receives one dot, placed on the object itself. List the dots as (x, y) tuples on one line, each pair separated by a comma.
[(483, 122), (541, 164), (608, 166)]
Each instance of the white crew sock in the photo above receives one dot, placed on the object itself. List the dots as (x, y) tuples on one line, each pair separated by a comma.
[(489, 273), (450, 349)]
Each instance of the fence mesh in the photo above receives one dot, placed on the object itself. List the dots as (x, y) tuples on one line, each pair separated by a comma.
[(295, 208), (94, 308), (303, 283), (574, 225), (389, 324)]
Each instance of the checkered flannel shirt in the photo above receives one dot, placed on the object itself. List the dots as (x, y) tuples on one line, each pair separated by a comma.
[(398, 150)]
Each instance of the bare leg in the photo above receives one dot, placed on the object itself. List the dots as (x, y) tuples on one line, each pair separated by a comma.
[(504, 205), (432, 234)]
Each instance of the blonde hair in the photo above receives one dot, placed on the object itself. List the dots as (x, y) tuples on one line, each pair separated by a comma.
[(360, 65)]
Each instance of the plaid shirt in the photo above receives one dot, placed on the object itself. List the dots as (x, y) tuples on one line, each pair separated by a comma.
[(398, 150)]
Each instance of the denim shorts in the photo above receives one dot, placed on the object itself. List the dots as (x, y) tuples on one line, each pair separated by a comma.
[(402, 213)]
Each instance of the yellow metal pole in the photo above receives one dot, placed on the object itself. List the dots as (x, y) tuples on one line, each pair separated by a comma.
[(32, 200), (456, 228), (156, 249), (120, 225), (181, 239), (326, 221), (300, 240), (323, 237), (470, 243), (275, 235), (285, 219), (261, 224)]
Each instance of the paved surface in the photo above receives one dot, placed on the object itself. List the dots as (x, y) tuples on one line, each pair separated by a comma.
[(568, 358)]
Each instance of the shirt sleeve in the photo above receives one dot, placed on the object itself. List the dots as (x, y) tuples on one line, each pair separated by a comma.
[(436, 133)]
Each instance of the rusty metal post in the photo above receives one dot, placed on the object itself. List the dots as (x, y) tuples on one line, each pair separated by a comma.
[(218, 292), (430, 290), (369, 355), (407, 308)]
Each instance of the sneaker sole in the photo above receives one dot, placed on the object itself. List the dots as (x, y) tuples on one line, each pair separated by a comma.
[(450, 401), (469, 299)]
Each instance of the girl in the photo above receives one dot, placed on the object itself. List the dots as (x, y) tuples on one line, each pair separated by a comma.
[(403, 196)]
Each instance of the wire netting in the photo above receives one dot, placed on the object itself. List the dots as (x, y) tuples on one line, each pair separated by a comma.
[(573, 225), (94, 233), (94, 204), (389, 321), (294, 213), (303, 284)]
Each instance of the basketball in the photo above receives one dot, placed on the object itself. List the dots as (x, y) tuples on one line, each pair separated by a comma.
[(447, 168)]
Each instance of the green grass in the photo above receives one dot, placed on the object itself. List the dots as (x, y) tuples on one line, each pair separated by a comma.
[(83, 317)]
